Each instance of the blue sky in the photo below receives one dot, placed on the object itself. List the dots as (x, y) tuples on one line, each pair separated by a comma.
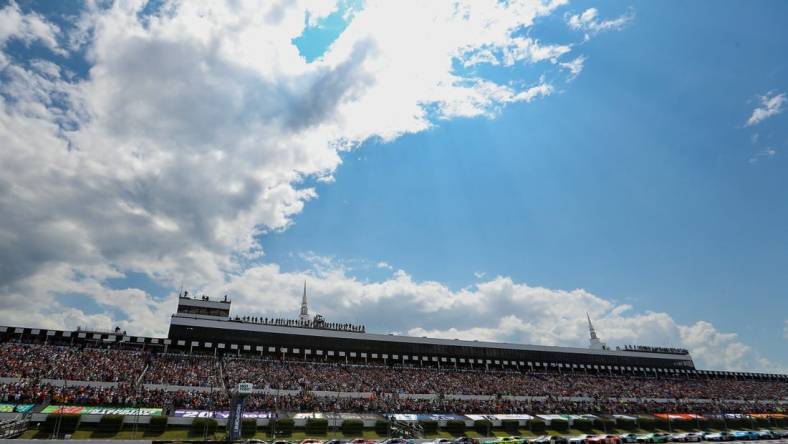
[(645, 187), (635, 182)]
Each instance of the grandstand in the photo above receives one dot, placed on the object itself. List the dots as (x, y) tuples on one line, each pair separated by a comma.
[(312, 365)]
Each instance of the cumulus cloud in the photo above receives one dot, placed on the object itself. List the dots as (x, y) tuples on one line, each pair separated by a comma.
[(574, 66), (198, 124), (495, 309), (589, 22), (29, 28), (194, 131), (770, 105)]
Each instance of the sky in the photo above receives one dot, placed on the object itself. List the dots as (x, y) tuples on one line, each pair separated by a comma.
[(462, 169)]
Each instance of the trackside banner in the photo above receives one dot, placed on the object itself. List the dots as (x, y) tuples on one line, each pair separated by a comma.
[(85, 410), (409, 417), (185, 413), (684, 416), (15, 408), (500, 417)]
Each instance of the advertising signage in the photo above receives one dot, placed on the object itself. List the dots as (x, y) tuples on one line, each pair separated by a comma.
[(425, 417), (684, 416), (85, 410), (225, 414), (15, 408), (500, 417)]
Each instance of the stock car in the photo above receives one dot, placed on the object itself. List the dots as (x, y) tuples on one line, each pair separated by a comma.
[(337, 441), (605, 439), (549, 439), (686, 437), (767, 434), (465, 440), (629, 437), (507, 440), (654, 437), (745, 435), (580, 439), (311, 441), (719, 436), (441, 441)]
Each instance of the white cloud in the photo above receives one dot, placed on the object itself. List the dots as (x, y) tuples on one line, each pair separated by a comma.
[(502, 310), (194, 132), (30, 28), (589, 22), (765, 153), (574, 66), (384, 265), (771, 104), (195, 129)]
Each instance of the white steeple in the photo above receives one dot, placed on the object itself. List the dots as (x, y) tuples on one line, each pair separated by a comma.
[(593, 342), (304, 316)]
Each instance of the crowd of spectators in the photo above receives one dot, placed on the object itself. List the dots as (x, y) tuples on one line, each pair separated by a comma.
[(71, 363), (302, 386), (297, 375), (184, 370), (652, 349), (317, 322)]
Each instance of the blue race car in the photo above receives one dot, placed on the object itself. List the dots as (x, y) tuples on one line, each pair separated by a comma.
[(745, 435)]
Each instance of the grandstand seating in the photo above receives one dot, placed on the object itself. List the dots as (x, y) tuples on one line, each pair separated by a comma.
[(82, 375)]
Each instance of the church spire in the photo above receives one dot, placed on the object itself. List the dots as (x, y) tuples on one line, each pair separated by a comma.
[(304, 316)]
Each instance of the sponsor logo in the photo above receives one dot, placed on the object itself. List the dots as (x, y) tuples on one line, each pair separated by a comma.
[(84, 410)]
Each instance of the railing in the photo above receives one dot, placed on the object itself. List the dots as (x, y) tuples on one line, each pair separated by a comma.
[(13, 428)]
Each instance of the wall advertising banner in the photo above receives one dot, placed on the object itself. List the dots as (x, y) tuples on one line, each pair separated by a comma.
[(313, 415), (684, 416), (84, 410), (354, 416), (6, 408), (23, 408), (502, 417), (769, 415), (185, 413), (425, 417), (625, 417)]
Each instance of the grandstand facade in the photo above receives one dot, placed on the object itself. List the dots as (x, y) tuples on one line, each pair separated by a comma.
[(204, 326)]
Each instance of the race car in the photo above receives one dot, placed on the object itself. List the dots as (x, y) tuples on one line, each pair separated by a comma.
[(394, 441), (581, 439), (719, 436), (441, 441), (362, 441), (311, 441), (654, 437), (745, 435), (507, 440), (766, 434), (605, 439), (629, 437), (465, 440), (549, 439)]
